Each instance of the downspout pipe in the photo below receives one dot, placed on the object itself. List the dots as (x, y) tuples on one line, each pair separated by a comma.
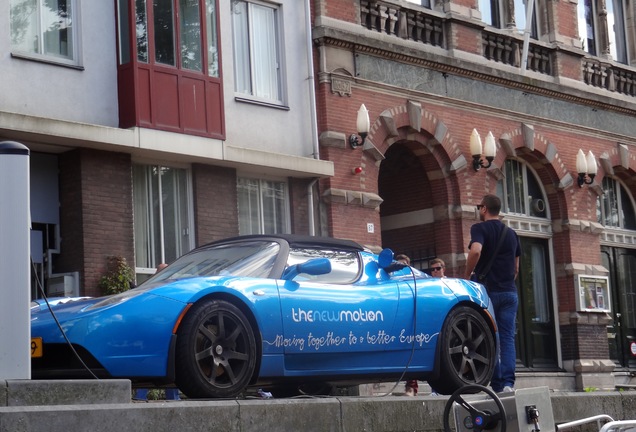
[(314, 116), (311, 81)]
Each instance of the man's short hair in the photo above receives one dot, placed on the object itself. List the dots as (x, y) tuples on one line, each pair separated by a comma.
[(437, 261), (492, 203)]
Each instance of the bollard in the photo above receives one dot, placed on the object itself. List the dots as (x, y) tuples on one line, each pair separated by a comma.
[(15, 254)]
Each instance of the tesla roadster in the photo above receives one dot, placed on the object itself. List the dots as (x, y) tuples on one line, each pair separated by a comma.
[(273, 311)]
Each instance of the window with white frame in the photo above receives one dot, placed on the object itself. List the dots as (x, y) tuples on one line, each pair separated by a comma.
[(615, 207), (622, 36), (495, 13), (45, 29), (521, 15), (425, 3), (257, 50), (520, 192), (162, 212), (586, 16), (620, 27), (263, 206)]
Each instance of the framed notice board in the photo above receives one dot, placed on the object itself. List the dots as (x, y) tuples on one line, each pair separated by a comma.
[(593, 294)]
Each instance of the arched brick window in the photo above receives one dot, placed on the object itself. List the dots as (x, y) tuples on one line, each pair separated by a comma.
[(615, 208)]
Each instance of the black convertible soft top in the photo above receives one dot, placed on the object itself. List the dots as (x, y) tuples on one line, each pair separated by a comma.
[(296, 240)]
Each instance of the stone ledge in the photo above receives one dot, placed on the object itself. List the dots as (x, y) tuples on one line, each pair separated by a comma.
[(333, 414), (64, 392)]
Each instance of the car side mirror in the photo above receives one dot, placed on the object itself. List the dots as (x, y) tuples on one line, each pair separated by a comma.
[(313, 267)]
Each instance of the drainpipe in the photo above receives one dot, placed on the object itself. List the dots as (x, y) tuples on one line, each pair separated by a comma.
[(310, 198), (314, 116)]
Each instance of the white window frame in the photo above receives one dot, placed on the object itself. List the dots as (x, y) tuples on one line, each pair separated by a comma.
[(621, 44), (521, 12), (424, 3), (588, 27), (150, 220), (498, 19), (253, 220), (249, 84), (39, 50), (603, 203), (618, 33), (529, 201)]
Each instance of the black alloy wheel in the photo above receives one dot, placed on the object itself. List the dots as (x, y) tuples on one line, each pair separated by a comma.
[(467, 351), (215, 352)]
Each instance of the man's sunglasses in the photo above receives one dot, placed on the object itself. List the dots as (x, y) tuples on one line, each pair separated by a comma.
[(436, 268), (479, 206)]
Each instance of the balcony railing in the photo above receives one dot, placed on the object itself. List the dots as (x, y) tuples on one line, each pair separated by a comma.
[(410, 23), (599, 73), (507, 49), (416, 24), (391, 19)]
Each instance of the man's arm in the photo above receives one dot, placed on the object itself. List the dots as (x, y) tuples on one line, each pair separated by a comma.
[(516, 267), (473, 257)]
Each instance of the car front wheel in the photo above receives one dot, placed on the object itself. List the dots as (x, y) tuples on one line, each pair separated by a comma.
[(215, 352), (467, 351)]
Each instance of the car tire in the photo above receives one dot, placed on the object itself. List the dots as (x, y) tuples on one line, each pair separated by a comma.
[(467, 351), (215, 351)]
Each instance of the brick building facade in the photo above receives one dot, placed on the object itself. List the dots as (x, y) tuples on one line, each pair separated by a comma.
[(431, 72)]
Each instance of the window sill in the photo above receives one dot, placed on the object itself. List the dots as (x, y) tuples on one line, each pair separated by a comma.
[(261, 103), (47, 60)]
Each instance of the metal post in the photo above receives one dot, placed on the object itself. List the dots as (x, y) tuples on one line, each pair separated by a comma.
[(15, 253), (526, 37)]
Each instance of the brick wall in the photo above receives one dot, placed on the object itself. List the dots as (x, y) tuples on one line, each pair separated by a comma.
[(71, 257), (215, 203), (299, 205), (584, 342), (96, 218)]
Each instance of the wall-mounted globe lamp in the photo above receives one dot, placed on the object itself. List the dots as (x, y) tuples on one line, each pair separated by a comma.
[(586, 167), (363, 125), (488, 153)]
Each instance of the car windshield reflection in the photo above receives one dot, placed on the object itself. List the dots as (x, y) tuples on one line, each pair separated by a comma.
[(251, 259)]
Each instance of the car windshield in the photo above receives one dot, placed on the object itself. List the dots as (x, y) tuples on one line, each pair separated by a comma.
[(250, 258)]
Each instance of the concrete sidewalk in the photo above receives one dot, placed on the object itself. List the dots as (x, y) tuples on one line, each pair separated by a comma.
[(104, 406)]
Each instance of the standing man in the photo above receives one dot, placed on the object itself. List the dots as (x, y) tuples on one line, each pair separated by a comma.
[(499, 278)]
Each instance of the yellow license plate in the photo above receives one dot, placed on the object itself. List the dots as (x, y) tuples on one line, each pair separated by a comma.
[(36, 347)]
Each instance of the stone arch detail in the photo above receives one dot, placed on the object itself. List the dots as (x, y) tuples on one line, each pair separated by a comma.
[(618, 163), (524, 140), (391, 124), (617, 160)]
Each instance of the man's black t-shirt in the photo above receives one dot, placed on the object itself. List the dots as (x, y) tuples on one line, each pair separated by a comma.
[(501, 277)]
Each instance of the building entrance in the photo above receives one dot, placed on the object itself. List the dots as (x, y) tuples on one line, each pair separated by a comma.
[(536, 339), (621, 331)]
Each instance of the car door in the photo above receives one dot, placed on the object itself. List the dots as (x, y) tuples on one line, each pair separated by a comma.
[(341, 322), (418, 324)]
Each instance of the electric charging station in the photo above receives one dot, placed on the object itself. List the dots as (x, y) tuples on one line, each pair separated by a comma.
[(15, 253), (526, 410), (523, 410)]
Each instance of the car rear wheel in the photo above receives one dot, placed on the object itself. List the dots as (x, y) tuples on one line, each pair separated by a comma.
[(215, 352), (467, 351)]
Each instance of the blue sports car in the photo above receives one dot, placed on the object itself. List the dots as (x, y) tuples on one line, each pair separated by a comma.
[(274, 311)]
